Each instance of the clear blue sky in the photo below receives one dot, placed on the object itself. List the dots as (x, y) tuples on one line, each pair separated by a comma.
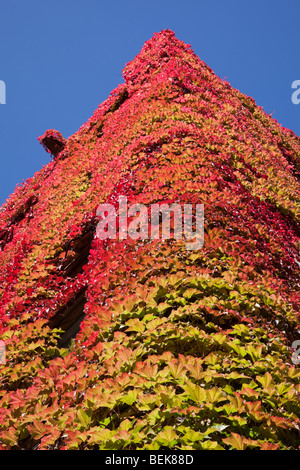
[(59, 59)]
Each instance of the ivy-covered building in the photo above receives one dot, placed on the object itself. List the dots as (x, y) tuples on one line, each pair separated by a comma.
[(140, 343)]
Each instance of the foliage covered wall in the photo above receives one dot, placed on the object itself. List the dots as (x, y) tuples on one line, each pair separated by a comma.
[(175, 349)]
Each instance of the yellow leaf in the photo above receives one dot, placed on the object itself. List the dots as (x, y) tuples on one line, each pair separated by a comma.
[(235, 441), (266, 380), (215, 395), (195, 392), (196, 369), (176, 369), (167, 436)]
